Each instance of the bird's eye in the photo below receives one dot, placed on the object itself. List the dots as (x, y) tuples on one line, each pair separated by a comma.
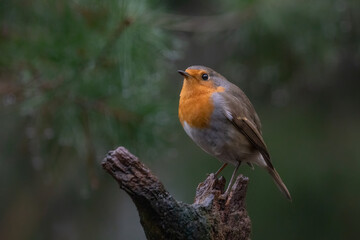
[(205, 76)]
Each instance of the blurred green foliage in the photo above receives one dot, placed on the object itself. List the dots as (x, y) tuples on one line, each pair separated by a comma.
[(87, 74), (79, 78)]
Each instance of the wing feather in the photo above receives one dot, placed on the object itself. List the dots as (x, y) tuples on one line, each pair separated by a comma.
[(247, 128)]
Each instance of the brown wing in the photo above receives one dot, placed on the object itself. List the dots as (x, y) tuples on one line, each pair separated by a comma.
[(244, 118), (242, 115), (247, 128), (247, 108)]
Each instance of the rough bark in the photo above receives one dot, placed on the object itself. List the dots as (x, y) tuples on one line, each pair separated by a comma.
[(211, 216)]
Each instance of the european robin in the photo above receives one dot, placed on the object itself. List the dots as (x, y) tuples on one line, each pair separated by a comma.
[(221, 120)]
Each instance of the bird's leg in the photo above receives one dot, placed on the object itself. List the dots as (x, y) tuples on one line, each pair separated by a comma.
[(232, 178), (220, 169)]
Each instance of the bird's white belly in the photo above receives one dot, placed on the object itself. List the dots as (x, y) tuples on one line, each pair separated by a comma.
[(218, 141)]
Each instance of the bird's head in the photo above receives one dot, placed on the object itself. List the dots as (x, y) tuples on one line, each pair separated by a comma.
[(203, 76)]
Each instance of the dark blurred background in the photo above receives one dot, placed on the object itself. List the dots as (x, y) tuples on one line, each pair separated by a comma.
[(79, 78)]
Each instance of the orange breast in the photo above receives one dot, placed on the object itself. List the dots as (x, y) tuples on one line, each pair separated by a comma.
[(196, 104)]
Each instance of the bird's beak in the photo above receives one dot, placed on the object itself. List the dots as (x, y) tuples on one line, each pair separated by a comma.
[(185, 74)]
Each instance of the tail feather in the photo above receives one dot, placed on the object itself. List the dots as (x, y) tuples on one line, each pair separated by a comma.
[(279, 183)]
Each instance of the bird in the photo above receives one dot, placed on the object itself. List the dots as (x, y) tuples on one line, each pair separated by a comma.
[(218, 116)]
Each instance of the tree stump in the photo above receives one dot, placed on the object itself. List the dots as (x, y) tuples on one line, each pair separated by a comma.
[(211, 216)]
